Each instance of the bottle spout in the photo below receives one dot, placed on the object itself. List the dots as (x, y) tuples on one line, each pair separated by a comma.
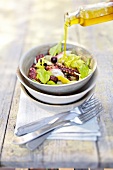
[(70, 17)]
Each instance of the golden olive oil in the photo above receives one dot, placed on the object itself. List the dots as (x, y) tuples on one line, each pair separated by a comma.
[(88, 15), (65, 38)]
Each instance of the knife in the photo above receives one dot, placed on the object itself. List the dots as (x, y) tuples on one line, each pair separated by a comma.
[(33, 135), (32, 145), (35, 125), (30, 127)]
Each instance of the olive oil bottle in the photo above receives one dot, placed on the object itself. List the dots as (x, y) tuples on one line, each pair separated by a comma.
[(88, 15), (91, 14)]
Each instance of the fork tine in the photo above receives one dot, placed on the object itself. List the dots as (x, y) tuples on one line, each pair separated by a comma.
[(90, 106), (90, 102), (89, 109), (90, 98), (92, 109), (81, 120), (87, 116), (90, 116), (87, 105)]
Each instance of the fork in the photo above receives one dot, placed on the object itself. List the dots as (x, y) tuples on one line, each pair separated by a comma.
[(80, 119), (86, 106), (83, 118), (30, 127), (32, 145)]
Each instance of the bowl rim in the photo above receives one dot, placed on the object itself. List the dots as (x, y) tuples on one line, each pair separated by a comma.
[(56, 86)]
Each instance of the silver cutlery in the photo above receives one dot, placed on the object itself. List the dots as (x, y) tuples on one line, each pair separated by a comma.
[(30, 127), (33, 144), (80, 119)]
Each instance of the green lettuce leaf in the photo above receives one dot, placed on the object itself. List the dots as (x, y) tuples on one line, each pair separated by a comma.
[(43, 75), (56, 49), (70, 60), (84, 71), (77, 63)]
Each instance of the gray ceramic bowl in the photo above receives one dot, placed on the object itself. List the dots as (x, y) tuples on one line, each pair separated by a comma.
[(55, 109), (55, 99), (27, 60)]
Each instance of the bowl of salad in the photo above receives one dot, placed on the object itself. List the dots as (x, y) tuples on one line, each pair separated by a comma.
[(49, 69), (56, 99)]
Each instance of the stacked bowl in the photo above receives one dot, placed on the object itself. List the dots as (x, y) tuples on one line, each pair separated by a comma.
[(62, 97)]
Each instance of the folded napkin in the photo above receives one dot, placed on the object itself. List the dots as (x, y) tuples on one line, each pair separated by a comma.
[(30, 112)]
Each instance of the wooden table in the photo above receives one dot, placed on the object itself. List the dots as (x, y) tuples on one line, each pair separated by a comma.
[(25, 24)]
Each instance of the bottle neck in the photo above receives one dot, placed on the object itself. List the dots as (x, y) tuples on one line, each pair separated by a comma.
[(72, 18)]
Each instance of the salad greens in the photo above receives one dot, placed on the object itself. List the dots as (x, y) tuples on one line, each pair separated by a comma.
[(75, 61), (56, 49), (55, 68), (43, 75)]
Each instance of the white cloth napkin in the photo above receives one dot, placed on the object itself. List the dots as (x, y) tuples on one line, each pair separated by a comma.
[(30, 112)]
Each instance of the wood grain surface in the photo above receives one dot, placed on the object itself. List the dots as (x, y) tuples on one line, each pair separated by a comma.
[(26, 24)]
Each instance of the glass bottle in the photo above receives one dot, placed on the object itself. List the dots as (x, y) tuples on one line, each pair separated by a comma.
[(90, 14)]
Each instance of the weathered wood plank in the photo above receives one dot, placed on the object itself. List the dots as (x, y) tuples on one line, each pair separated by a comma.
[(11, 41), (7, 84)]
